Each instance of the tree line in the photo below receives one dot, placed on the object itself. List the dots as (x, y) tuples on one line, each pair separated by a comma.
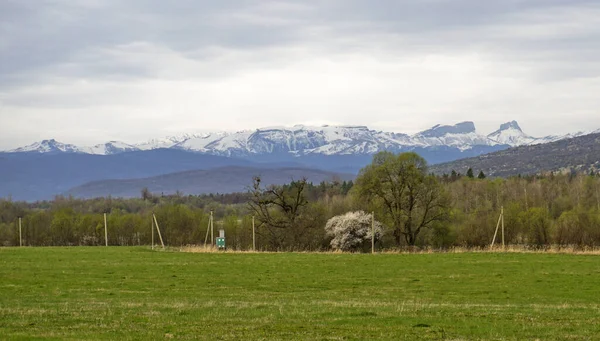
[(411, 207)]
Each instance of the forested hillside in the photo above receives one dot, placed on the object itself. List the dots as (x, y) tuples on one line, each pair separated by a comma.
[(539, 211), (576, 154)]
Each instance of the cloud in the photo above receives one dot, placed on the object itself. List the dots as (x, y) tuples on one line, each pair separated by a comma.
[(91, 71)]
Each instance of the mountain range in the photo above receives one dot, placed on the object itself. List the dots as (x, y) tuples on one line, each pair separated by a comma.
[(47, 168), (305, 140)]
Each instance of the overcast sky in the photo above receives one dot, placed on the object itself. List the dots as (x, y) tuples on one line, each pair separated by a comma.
[(90, 71)]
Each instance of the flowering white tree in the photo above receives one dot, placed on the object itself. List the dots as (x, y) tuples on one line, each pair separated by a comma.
[(351, 230)]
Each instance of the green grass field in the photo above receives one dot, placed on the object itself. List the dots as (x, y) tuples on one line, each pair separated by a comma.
[(136, 293)]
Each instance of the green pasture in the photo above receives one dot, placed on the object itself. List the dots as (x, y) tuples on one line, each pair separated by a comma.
[(121, 293)]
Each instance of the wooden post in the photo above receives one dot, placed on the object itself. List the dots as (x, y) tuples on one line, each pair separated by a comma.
[(497, 227), (253, 235), (158, 230), (105, 231), (212, 229), (502, 216), (597, 199), (372, 232), (20, 235), (152, 222), (207, 231)]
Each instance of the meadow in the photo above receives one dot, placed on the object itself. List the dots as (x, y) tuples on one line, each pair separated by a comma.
[(134, 293)]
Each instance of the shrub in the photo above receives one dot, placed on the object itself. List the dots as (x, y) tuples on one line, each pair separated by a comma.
[(350, 231)]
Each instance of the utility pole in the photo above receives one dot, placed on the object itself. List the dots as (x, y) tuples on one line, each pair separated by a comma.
[(502, 216), (212, 228), (20, 235), (373, 232), (152, 225), (207, 232), (253, 235), (500, 220), (597, 198), (158, 230), (105, 231)]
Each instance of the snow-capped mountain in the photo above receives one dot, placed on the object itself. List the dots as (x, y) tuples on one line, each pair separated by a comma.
[(166, 142), (297, 141), (303, 140), (48, 146), (462, 136), (53, 146), (112, 147), (554, 138), (511, 134), (202, 143), (333, 140)]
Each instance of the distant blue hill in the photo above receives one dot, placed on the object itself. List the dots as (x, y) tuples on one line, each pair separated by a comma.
[(228, 179), (34, 176)]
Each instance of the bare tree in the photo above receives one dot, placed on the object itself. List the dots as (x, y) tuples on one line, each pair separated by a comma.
[(279, 209), (146, 195)]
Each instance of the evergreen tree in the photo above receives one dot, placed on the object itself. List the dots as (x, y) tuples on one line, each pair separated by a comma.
[(470, 174), (481, 175), (453, 176)]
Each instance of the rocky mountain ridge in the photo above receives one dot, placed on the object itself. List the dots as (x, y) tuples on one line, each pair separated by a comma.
[(303, 140)]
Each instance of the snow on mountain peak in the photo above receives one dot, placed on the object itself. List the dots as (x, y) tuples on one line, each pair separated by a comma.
[(166, 142), (466, 127), (462, 136), (510, 133), (47, 146), (112, 147), (324, 140), (510, 125), (201, 142)]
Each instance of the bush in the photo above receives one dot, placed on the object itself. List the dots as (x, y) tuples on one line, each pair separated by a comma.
[(351, 230)]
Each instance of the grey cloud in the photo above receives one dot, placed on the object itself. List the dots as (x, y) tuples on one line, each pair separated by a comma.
[(52, 33), (112, 42), (41, 35)]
